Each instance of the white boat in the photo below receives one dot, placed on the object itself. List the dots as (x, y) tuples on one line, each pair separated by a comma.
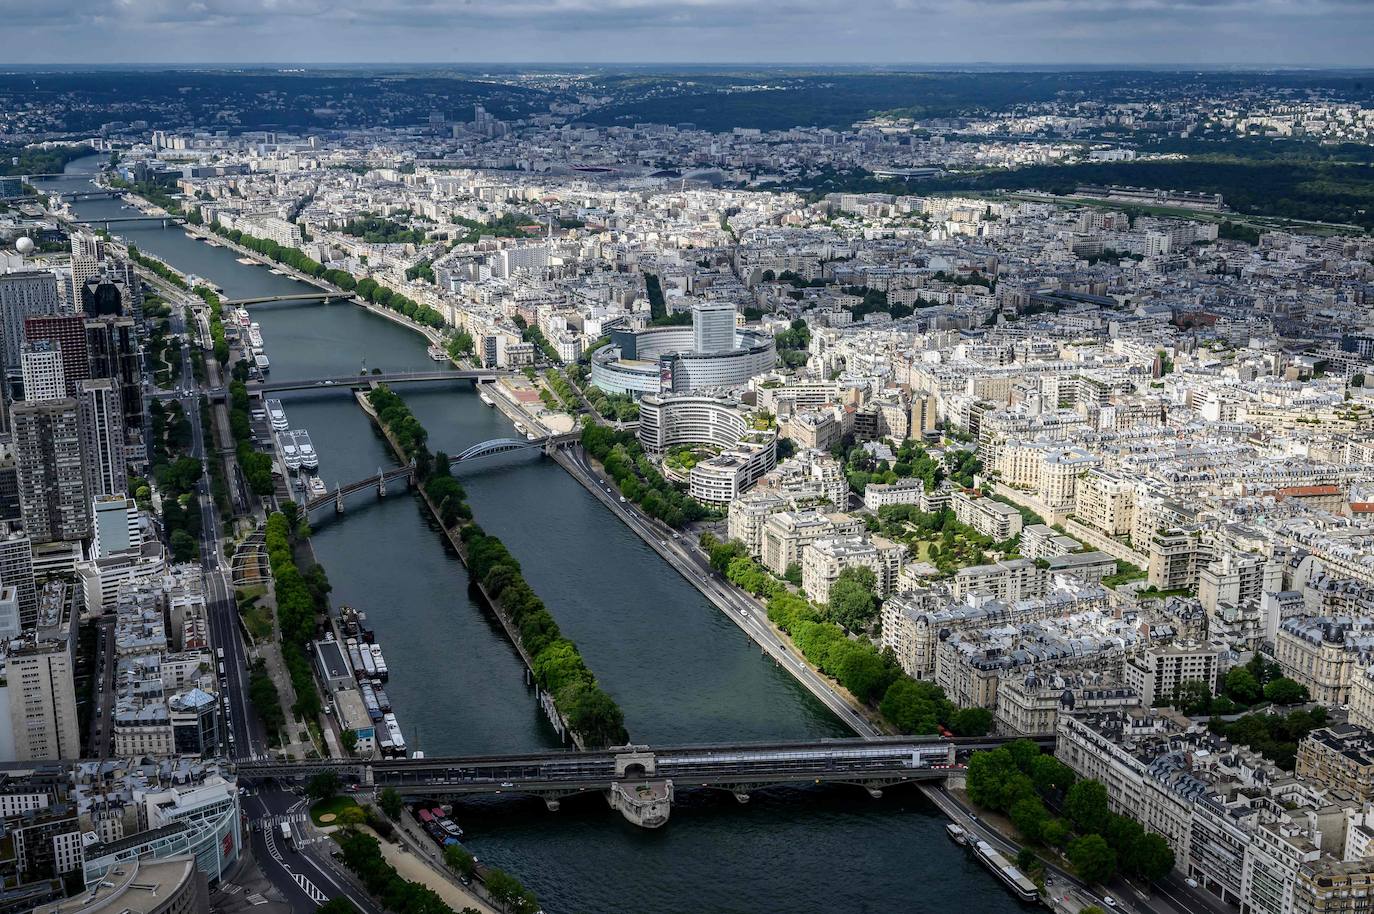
[(290, 454), (246, 261), (317, 488), (309, 460), (437, 354), (481, 395), (520, 428), (261, 361), (277, 414)]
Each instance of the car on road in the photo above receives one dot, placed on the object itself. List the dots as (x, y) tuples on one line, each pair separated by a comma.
[(1192, 883), (1109, 901), (677, 536), (507, 784)]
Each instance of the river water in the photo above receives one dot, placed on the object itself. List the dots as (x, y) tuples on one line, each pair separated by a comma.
[(678, 668)]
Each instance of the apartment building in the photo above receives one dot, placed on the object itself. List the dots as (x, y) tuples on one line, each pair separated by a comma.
[(1339, 757), (988, 516), (1155, 673), (825, 559), (1325, 653), (41, 700), (787, 533)]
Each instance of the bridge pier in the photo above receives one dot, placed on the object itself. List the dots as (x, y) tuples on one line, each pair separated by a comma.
[(741, 797), (875, 792), (644, 803), (551, 804)]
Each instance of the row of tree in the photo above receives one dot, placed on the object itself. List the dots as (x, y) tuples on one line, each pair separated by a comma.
[(301, 599), (873, 677), (362, 854), (1019, 781), (176, 474), (557, 664), (613, 407), (367, 288), (638, 480), (256, 466)]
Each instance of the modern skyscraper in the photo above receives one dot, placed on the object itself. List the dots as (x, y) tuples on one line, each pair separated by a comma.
[(42, 701), (713, 326), (69, 332), (16, 570), (54, 496), (116, 525), (104, 297), (102, 431), (41, 363), (112, 347), (23, 294)]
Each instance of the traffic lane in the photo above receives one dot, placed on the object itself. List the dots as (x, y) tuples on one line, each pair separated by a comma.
[(276, 802)]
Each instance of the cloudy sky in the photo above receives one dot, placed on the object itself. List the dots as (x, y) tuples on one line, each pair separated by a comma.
[(1192, 32)]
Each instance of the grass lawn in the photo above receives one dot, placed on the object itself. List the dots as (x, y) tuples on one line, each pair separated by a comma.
[(331, 807), (258, 620)]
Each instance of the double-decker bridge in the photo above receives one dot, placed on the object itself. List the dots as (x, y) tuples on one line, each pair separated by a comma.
[(639, 781)]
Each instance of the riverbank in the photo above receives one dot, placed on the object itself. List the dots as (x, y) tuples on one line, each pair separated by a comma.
[(736, 605)]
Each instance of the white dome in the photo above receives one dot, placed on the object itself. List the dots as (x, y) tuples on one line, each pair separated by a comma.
[(24, 245)]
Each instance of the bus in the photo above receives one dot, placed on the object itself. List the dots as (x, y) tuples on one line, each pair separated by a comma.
[(220, 651)]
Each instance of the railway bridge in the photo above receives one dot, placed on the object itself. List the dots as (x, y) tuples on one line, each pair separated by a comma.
[(640, 781)]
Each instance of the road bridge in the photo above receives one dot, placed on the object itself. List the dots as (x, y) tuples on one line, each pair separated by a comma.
[(76, 195), (117, 220), (639, 781), (406, 474), (349, 382), (322, 295)]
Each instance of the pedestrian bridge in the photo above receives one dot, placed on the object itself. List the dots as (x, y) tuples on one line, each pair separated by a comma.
[(639, 781)]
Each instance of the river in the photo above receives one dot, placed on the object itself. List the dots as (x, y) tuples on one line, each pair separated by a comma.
[(681, 670)]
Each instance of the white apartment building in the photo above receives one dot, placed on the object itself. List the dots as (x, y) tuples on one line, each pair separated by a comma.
[(42, 701), (824, 560)]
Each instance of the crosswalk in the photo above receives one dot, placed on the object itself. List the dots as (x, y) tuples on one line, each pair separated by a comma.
[(271, 828), (310, 889)]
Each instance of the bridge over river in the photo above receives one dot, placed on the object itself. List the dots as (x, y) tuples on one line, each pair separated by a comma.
[(350, 381), (406, 473), (639, 781)]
